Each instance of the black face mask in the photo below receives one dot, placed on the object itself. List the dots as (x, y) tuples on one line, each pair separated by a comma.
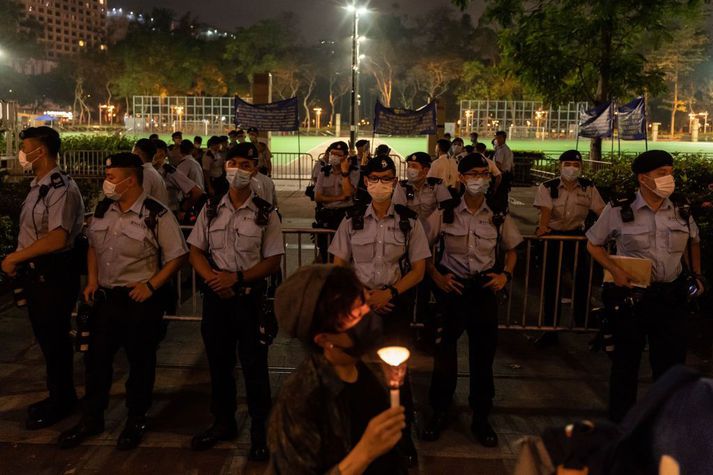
[(366, 335)]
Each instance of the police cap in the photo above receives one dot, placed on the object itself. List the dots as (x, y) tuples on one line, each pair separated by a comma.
[(571, 156), (243, 150), (651, 160), (470, 161), (380, 163), (123, 160), (420, 157)]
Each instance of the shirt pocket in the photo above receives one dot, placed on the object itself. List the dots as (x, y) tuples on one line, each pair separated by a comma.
[(455, 240), (394, 245), (216, 236), (677, 236), (134, 242), (248, 240), (487, 239), (363, 247), (635, 238), (97, 232)]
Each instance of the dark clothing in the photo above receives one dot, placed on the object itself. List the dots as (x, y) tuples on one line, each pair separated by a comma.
[(310, 427), (228, 323), (659, 317), (117, 322), (476, 313), (581, 279), (327, 218), (50, 300), (220, 185)]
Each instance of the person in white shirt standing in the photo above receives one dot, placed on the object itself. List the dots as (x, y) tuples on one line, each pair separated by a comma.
[(443, 167), (188, 165), (153, 183)]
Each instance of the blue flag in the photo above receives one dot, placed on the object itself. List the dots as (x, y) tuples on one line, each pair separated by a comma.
[(277, 116), (631, 120), (390, 121), (597, 122)]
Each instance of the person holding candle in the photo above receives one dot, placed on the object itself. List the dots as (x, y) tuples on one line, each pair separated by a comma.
[(332, 414)]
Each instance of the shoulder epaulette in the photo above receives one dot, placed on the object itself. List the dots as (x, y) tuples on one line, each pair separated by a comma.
[(585, 182), (554, 187), (624, 201), (448, 207), (356, 214), (433, 181), (264, 208), (102, 207), (57, 181), (155, 207), (403, 183)]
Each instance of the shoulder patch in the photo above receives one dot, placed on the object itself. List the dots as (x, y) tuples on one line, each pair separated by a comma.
[(433, 181), (403, 182), (555, 182), (262, 204), (155, 207), (102, 207), (57, 181), (585, 182)]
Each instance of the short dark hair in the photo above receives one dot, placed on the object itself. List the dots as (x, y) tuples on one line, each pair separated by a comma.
[(197, 139), (457, 139), (177, 133), (501, 133), (339, 292), (186, 147), (444, 145), (47, 136), (382, 149), (469, 148), (474, 133), (127, 161), (480, 147), (160, 144), (240, 131), (214, 140), (147, 146), (447, 134), (232, 133), (153, 137), (360, 143)]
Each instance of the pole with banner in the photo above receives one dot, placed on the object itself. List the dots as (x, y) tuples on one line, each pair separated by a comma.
[(597, 123), (632, 122)]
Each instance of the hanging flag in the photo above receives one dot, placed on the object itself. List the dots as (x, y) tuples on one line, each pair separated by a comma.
[(597, 122), (631, 120), (279, 116), (389, 121)]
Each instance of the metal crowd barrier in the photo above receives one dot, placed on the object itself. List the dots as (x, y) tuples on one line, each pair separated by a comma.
[(292, 166), (521, 304)]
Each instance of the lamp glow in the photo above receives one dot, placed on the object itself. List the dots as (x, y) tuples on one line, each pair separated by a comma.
[(394, 355)]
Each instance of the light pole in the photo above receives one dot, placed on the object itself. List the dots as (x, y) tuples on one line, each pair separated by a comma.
[(354, 115), (318, 112)]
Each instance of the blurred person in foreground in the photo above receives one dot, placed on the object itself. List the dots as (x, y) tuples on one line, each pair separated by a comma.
[(332, 415)]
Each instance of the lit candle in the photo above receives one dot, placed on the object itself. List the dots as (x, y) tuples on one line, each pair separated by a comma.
[(395, 357)]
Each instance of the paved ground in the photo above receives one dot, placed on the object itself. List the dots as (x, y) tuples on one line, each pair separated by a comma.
[(535, 389)]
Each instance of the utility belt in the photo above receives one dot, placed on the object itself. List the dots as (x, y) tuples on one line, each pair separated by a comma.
[(330, 218), (473, 282), (617, 299), (48, 267), (258, 288)]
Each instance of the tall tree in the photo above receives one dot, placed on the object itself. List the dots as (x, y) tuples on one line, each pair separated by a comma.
[(569, 49)]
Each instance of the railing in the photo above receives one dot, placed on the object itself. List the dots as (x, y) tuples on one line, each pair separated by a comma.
[(547, 167), (522, 305), (84, 163), (292, 166), (399, 161)]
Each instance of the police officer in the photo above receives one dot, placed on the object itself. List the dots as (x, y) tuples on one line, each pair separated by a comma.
[(653, 227), (468, 276), (135, 247), (564, 204), (183, 192), (153, 184), (188, 165), (336, 185), (235, 244), (44, 264), (214, 168), (418, 192), (387, 247)]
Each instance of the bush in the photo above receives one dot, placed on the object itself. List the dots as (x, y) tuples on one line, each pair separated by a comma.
[(96, 142)]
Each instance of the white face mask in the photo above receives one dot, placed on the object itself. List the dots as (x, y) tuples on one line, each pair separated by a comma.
[(664, 186), (334, 160), (380, 192), (109, 189), (24, 162), (238, 178), (412, 174), (477, 186), (570, 173)]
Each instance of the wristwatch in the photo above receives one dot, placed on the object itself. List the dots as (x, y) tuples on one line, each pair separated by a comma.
[(508, 275), (394, 291), (150, 287)]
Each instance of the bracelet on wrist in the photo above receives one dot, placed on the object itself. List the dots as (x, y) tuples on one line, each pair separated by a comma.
[(394, 291), (150, 286)]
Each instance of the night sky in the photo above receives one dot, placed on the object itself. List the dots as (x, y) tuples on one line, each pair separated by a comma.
[(319, 19)]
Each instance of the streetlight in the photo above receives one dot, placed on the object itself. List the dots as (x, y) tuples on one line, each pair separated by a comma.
[(354, 115), (318, 111)]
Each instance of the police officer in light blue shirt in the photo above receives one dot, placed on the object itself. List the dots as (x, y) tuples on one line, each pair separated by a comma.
[(655, 225), (235, 245), (45, 264)]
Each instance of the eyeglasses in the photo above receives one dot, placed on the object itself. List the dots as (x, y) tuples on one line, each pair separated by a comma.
[(382, 179), (477, 175)]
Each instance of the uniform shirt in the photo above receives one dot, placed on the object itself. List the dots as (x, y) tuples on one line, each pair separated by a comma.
[(233, 239), (264, 158), (470, 241), (332, 186), (177, 185), (62, 207), (316, 170), (192, 170), (425, 200), (264, 187), (660, 236), (375, 251), (570, 208), (213, 163), (504, 158), (446, 169), (154, 185), (127, 249)]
